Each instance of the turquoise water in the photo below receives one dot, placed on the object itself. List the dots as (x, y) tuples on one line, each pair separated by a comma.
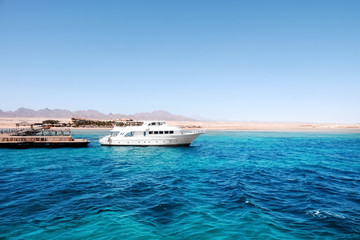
[(227, 185)]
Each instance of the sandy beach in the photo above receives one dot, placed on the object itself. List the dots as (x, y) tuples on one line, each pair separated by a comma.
[(265, 126), (11, 122), (219, 126)]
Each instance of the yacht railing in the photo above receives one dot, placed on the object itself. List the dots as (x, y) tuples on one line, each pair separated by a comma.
[(128, 124), (200, 131), (193, 131)]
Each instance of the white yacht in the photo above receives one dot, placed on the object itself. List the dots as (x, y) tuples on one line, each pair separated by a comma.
[(148, 133)]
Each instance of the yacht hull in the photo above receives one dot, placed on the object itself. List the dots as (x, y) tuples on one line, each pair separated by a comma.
[(174, 141), (127, 145)]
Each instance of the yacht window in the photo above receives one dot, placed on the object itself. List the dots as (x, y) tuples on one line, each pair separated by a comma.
[(130, 134), (171, 132), (166, 132), (153, 123), (156, 132), (151, 132), (161, 132), (114, 134)]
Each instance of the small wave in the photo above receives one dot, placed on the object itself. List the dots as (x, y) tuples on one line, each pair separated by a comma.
[(320, 214), (51, 167), (162, 207)]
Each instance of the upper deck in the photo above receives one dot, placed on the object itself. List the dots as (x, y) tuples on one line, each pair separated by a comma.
[(128, 124), (138, 123)]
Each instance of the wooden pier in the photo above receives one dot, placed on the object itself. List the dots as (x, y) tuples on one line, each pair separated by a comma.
[(40, 138)]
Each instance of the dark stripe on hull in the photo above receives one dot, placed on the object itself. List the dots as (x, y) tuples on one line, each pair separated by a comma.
[(24, 145), (173, 145)]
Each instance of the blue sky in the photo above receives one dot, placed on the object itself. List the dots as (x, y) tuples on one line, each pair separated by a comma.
[(234, 60)]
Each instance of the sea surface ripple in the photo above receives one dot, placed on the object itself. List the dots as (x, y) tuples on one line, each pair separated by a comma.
[(227, 185)]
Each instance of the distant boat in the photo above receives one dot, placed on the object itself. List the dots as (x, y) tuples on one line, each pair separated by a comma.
[(149, 133)]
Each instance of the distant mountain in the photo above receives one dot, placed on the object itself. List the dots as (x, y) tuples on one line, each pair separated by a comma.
[(91, 114)]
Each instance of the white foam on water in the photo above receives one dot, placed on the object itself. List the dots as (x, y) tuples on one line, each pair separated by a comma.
[(324, 214)]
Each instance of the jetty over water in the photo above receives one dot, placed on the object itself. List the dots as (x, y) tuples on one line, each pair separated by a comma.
[(39, 138)]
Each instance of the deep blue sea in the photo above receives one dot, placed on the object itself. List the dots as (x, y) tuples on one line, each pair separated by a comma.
[(227, 185)]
